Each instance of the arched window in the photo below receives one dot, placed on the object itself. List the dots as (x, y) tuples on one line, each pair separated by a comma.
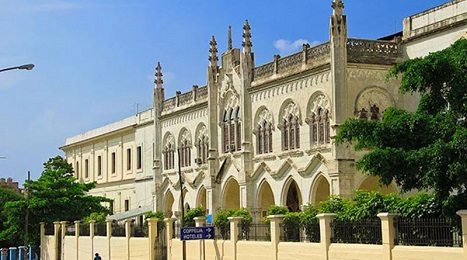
[(264, 133), (185, 148), (169, 151), (290, 127), (203, 145), (232, 130), (319, 121)]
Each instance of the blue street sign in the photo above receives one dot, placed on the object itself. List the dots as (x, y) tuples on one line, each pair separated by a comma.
[(196, 233)]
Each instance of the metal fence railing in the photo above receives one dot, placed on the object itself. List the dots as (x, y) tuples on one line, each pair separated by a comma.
[(255, 232), (70, 230), (427, 232), (49, 229), (118, 231), (357, 232), (100, 229), (139, 230), (84, 230)]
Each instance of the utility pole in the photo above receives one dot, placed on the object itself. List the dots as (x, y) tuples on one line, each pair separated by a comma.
[(183, 204)]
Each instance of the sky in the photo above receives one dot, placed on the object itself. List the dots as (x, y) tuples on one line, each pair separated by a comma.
[(94, 60)]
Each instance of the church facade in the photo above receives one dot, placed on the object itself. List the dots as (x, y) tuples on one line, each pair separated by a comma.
[(256, 136)]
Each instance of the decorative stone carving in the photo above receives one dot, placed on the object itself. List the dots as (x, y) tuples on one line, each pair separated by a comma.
[(291, 109), (321, 101), (373, 100)]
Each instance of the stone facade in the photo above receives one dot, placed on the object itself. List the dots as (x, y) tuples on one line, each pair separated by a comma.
[(260, 135), (10, 184)]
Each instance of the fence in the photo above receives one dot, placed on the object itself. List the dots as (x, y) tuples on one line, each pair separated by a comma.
[(255, 232), (358, 232)]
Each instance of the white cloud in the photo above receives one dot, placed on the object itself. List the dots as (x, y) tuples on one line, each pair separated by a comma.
[(286, 47)]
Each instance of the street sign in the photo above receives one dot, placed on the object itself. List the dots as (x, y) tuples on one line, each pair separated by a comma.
[(196, 233)]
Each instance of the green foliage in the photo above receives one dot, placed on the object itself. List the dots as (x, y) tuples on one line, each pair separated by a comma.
[(55, 196), (160, 219), (427, 149), (291, 224), (192, 213), (8, 196), (99, 217), (275, 210), (310, 222), (221, 220)]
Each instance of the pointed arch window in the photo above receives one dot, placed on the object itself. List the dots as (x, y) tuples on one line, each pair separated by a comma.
[(290, 127), (203, 145), (264, 133), (169, 151), (232, 131), (185, 149), (319, 121)]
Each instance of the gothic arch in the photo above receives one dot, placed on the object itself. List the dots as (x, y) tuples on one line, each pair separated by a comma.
[(318, 99), (201, 142), (201, 198), (371, 183), (320, 189), (231, 194), (168, 204), (371, 102), (292, 197), (287, 108), (265, 196)]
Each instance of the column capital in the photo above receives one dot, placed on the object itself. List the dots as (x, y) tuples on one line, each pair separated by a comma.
[(462, 212), (275, 217), (92, 221), (152, 221), (235, 219), (77, 221), (62, 222), (384, 215), (326, 216), (169, 220)]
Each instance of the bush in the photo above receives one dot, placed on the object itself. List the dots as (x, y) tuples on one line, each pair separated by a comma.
[(310, 223), (98, 217), (221, 221), (192, 213), (160, 219), (275, 210)]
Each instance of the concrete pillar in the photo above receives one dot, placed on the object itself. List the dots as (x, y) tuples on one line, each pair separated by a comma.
[(57, 234), (387, 232), (42, 234), (108, 223), (152, 235), (275, 221), (200, 222), (169, 233), (463, 215), (234, 230), (62, 233), (128, 235), (92, 228), (21, 252), (77, 222), (325, 220)]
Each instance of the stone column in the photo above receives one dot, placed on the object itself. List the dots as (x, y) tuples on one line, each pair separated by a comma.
[(275, 221), (152, 235), (109, 237), (463, 215), (92, 227), (127, 236), (169, 233), (200, 222), (62, 234), (56, 236), (387, 232), (325, 220), (42, 234), (234, 234), (77, 222)]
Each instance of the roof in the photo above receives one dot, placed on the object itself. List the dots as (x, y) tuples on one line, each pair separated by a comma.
[(130, 214)]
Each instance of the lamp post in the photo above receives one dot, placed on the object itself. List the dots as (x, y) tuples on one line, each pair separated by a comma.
[(22, 67), (183, 204)]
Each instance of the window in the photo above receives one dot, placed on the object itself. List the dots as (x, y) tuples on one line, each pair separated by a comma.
[(127, 205), (128, 159), (319, 121), (290, 127), (185, 149), (113, 162), (99, 165), (202, 145), (139, 158), (86, 168), (264, 133), (169, 153), (232, 130)]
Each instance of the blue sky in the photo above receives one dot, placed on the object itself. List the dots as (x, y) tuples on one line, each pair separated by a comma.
[(95, 60)]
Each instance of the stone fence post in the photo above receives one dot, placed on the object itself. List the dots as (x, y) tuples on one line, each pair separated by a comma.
[(108, 223), (62, 238), (57, 234), (127, 236), (463, 215), (42, 244), (387, 233), (77, 222), (199, 222), (92, 231), (152, 235), (275, 221), (234, 230), (169, 233), (325, 220)]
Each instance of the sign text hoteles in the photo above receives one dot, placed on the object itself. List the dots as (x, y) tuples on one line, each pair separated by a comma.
[(196, 233)]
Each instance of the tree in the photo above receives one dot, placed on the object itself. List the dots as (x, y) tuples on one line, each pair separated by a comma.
[(7, 195), (55, 196), (426, 149)]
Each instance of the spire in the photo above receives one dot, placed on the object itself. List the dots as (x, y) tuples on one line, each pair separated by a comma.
[(158, 80), (246, 38), (229, 40), (213, 52), (338, 7)]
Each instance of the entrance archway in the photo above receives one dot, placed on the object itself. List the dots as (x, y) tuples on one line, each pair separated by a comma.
[(293, 199), (231, 195), (371, 183), (265, 198), (169, 201), (201, 201), (321, 190)]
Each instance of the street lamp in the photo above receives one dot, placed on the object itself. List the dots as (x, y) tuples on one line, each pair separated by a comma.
[(22, 67)]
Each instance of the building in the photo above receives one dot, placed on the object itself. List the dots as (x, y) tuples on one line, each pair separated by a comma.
[(259, 135), (10, 184)]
